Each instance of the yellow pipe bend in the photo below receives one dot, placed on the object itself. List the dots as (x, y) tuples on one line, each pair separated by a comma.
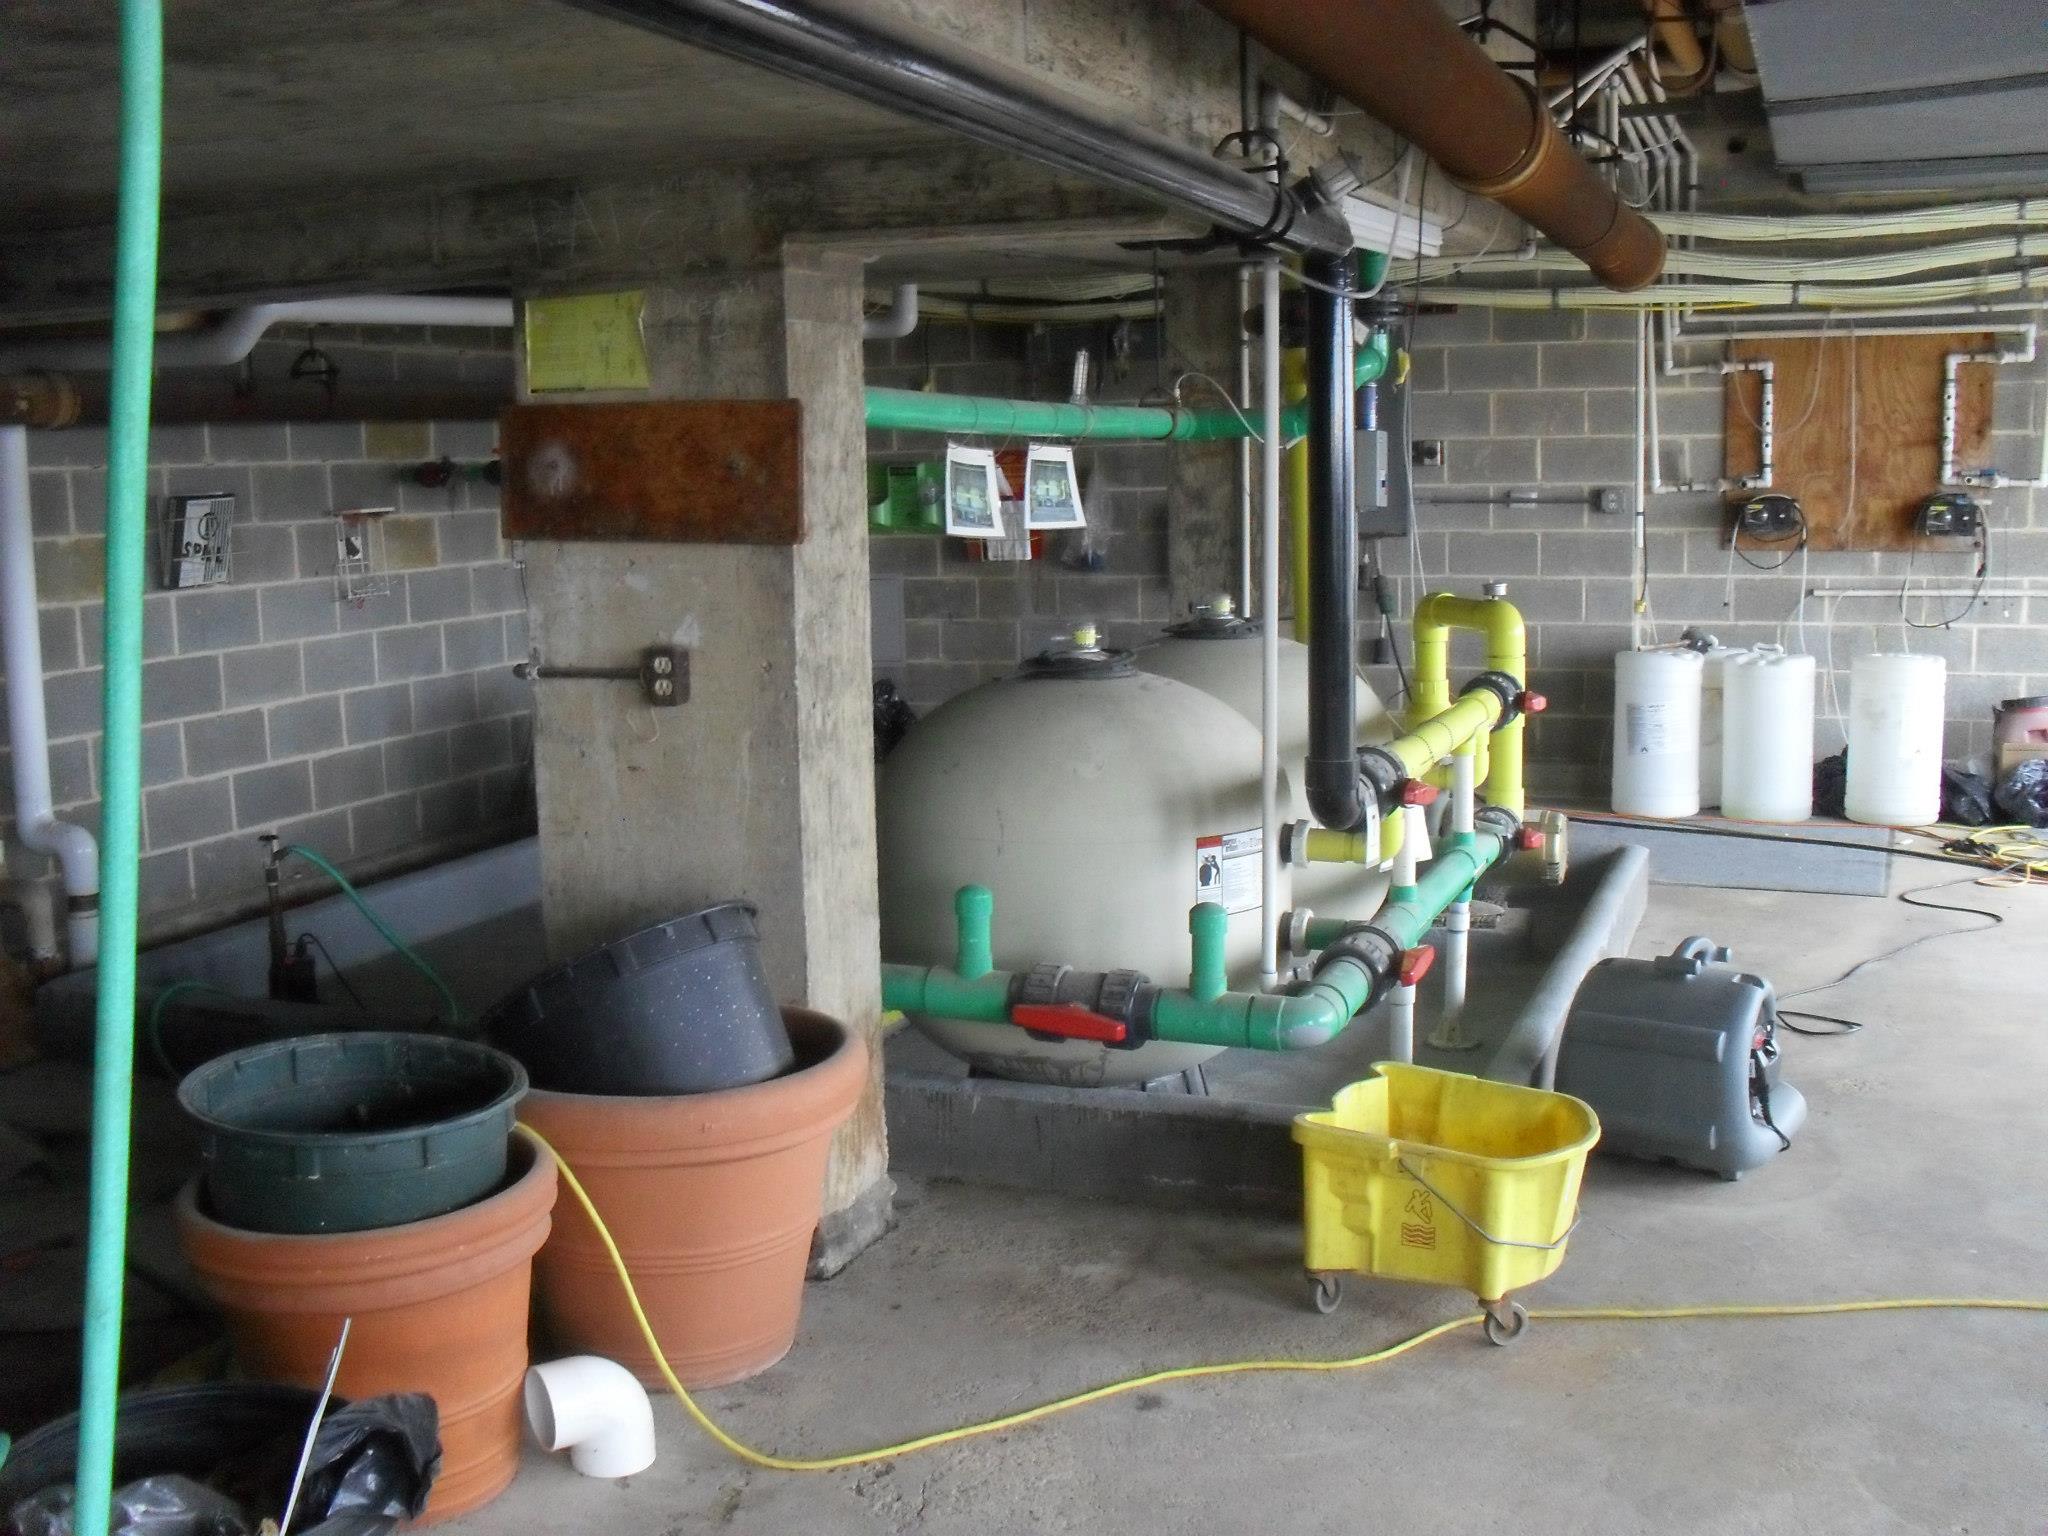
[(1499, 758)]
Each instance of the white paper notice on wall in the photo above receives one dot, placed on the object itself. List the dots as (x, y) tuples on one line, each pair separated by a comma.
[(1227, 869), (1052, 491), (1648, 728), (974, 493)]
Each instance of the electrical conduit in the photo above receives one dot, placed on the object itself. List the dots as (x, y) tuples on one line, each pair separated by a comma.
[(113, 1066), (72, 846)]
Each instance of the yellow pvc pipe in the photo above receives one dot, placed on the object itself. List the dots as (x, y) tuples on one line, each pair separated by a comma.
[(1294, 385), (1507, 650), (1461, 728)]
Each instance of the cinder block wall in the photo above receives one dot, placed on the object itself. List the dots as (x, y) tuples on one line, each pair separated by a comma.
[(385, 734), (944, 622), (1545, 401)]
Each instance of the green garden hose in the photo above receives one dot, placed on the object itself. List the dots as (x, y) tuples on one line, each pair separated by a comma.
[(390, 936)]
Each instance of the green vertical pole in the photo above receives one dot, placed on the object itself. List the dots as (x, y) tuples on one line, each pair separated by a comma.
[(142, 91), (974, 908)]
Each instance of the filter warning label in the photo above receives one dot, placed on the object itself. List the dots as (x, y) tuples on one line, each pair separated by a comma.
[(1227, 869)]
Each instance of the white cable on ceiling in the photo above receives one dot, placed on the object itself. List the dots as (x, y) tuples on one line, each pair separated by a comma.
[(1743, 295), (1890, 224), (1744, 267)]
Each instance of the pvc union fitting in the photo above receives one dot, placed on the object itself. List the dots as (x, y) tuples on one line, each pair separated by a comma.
[(595, 1410)]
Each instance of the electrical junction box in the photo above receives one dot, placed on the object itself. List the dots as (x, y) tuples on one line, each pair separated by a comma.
[(1376, 519), (1679, 1058)]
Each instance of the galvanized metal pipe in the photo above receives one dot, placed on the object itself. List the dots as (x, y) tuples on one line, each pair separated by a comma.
[(840, 53)]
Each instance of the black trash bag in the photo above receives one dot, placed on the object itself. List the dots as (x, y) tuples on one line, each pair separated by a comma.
[(373, 1464), (1831, 785), (2023, 793), (1965, 797), (893, 718), (377, 1457), (170, 1505)]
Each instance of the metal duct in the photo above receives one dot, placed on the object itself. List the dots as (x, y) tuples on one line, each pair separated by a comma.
[(812, 43), (1409, 65)]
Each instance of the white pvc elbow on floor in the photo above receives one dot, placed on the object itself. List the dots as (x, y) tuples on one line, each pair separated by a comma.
[(596, 1410)]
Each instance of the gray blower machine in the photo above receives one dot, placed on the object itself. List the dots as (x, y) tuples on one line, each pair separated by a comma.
[(1679, 1058)]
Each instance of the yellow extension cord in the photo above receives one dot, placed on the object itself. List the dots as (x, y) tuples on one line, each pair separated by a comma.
[(1046, 1410)]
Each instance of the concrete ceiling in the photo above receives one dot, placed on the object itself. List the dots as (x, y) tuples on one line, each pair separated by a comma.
[(307, 98)]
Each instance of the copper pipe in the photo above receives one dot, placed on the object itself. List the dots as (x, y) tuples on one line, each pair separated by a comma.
[(1410, 66), (1731, 35), (37, 400), (1672, 27)]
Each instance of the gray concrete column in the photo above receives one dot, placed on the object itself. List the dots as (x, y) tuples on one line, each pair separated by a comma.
[(761, 786), (1201, 321)]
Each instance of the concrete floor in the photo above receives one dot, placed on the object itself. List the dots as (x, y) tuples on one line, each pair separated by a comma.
[(1918, 1175)]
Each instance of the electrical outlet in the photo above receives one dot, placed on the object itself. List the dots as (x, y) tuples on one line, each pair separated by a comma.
[(1607, 498), (1429, 453)]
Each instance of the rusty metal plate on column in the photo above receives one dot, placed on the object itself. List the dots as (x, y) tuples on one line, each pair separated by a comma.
[(681, 471)]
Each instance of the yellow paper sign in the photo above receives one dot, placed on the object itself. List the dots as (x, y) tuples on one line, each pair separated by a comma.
[(586, 341)]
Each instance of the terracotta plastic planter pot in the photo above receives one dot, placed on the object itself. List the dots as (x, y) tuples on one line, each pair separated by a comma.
[(711, 1197), (440, 1307)]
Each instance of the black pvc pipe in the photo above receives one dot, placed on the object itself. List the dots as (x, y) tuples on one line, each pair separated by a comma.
[(1336, 797), (824, 48)]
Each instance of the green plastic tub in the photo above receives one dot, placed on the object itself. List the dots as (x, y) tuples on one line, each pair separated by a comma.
[(346, 1132)]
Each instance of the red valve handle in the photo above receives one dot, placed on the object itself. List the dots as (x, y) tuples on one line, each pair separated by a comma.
[(1529, 839), (1070, 1021), (1415, 964), (1531, 703), (1418, 792)]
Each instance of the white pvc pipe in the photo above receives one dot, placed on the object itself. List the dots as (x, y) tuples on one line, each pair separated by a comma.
[(1642, 519), (595, 1410), (238, 331), (1401, 1024), (38, 917), (1448, 1034), (1401, 1006), (895, 322), (1269, 632), (21, 639), (1951, 425)]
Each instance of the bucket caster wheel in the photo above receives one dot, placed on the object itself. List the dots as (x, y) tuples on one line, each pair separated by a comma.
[(1327, 1292), (1505, 1321)]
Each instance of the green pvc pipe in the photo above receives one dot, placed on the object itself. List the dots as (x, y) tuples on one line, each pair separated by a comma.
[(1208, 927), (913, 410), (113, 1063), (1408, 917), (935, 990), (974, 908)]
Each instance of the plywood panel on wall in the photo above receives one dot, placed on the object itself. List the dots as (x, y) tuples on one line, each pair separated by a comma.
[(1895, 429)]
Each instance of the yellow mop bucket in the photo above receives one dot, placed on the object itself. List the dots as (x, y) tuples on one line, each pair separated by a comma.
[(1444, 1179)]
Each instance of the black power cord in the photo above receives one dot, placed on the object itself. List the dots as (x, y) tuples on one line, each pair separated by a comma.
[(1845, 1026)]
